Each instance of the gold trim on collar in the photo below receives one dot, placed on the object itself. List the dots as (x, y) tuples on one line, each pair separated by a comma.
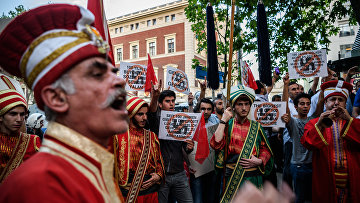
[(90, 148)]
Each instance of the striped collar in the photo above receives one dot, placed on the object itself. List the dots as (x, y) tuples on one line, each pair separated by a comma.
[(88, 157)]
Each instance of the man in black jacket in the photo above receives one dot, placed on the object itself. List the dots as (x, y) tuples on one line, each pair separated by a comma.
[(176, 182)]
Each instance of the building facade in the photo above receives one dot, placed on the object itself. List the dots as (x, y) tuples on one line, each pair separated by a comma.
[(164, 33), (342, 43)]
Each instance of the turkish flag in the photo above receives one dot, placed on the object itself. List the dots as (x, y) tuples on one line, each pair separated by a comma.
[(150, 76), (100, 23), (247, 78), (202, 151)]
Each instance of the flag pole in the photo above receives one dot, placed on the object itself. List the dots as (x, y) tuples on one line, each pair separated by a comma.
[(230, 52), (228, 88)]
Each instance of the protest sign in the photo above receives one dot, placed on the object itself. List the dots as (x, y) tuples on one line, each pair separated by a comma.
[(178, 125), (307, 64), (134, 75), (355, 79), (268, 114), (177, 80)]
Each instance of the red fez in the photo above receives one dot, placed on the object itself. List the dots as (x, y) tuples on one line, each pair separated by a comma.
[(134, 104), (43, 43), (336, 88)]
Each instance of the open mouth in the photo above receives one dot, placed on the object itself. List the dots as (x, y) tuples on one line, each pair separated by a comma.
[(119, 103)]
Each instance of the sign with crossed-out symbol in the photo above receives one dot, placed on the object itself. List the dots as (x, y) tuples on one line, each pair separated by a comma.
[(178, 126), (268, 114), (307, 64), (177, 80), (134, 75)]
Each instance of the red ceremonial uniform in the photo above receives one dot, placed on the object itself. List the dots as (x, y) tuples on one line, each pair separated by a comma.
[(237, 140), (129, 148), (336, 160), (15, 150), (67, 162)]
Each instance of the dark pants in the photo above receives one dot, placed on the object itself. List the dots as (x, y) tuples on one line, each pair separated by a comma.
[(178, 186), (302, 174), (203, 187), (287, 158), (276, 145), (218, 183)]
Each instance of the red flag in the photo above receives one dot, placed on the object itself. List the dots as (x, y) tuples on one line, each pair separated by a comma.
[(100, 23), (150, 76), (247, 78), (202, 151)]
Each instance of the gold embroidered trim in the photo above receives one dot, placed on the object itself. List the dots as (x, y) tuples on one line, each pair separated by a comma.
[(347, 127), (140, 170), (122, 158), (90, 171), (17, 155), (37, 41), (47, 60), (92, 149), (320, 134), (239, 171), (35, 146)]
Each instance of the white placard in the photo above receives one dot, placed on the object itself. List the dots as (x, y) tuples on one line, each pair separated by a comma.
[(178, 126), (307, 64), (177, 80), (134, 75), (268, 114)]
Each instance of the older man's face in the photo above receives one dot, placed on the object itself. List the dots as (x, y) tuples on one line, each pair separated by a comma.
[(334, 102), (98, 107)]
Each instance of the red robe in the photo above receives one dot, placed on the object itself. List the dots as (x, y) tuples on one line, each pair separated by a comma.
[(68, 168), (15, 150), (237, 140), (128, 152), (322, 144)]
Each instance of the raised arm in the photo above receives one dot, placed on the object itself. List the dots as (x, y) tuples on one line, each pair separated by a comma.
[(314, 85), (155, 93), (320, 105), (219, 133), (285, 96), (202, 88), (191, 102), (352, 71)]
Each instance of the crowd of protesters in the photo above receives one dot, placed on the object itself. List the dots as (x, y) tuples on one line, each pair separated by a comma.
[(101, 147)]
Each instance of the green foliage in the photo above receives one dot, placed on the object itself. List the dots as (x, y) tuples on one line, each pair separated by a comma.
[(12, 14), (293, 25)]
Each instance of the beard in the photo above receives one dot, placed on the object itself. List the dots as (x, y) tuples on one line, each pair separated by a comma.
[(220, 111), (136, 123)]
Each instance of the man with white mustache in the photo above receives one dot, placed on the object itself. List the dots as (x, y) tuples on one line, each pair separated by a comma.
[(64, 60)]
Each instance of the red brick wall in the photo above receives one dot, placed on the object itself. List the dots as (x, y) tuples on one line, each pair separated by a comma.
[(160, 40), (202, 62)]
